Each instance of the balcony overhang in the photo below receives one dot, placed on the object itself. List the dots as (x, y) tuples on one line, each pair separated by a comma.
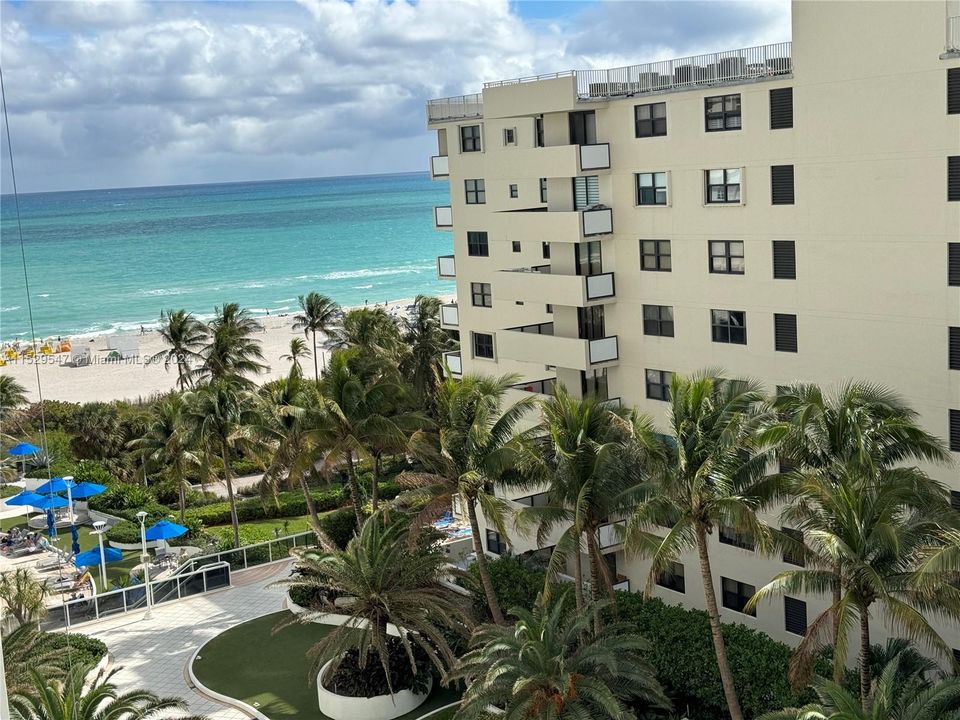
[(553, 226), (453, 363), (558, 351), (439, 166), (450, 316), (446, 267), (571, 290), (443, 217)]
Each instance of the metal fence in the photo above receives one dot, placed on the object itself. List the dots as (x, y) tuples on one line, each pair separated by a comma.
[(449, 108), (124, 600), (249, 556)]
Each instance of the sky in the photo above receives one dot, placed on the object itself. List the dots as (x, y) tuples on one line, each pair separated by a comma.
[(118, 94)]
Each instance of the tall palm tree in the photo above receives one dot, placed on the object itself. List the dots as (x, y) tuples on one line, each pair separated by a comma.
[(166, 444), (231, 349), (220, 416), (713, 475), (472, 453), (384, 578), (373, 330), (12, 396), (891, 700), (426, 342), (870, 549), (184, 335), (318, 313), (550, 665), (89, 694), (298, 349)]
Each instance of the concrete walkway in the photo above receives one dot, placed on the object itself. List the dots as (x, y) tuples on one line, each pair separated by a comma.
[(153, 653)]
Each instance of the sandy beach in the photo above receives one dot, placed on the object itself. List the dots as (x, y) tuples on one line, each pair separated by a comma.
[(135, 378)]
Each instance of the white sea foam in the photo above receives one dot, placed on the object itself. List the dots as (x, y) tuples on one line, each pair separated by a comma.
[(378, 272), (360, 287), (11, 308), (162, 292)]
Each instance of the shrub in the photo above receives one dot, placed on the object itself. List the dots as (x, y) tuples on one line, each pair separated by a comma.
[(123, 496), (82, 649), (288, 504), (94, 472), (57, 415), (245, 466), (125, 531), (350, 679), (516, 579), (339, 526), (61, 457)]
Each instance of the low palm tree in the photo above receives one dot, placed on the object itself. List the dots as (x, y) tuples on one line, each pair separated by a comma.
[(13, 395), (318, 313), (24, 650), (713, 475), (551, 665), (231, 350), (89, 694), (891, 700), (426, 341), (24, 595), (373, 330), (184, 335), (384, 578), (298, 349), (472, 452)]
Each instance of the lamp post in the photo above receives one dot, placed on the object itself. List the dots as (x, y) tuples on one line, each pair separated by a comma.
[(145, 560), (99, 528)]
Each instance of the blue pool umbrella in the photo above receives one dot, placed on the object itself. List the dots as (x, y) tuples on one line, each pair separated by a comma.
[(23, 448), (51, 524), (86, 489), (92, 557), (164, 530), (75, 536), (25, 498), (56, 485), (49, 502)]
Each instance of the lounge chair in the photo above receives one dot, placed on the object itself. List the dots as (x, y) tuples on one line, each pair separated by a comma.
[(58, 559)]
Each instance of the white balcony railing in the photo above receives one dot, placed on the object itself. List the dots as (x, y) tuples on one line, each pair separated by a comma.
[(454, 363), (595, 157), (603, 350), (455, 108), (953, 34), (609, 535), (450, 315), (446, 267), (623, 585), (597, 222), (600, 286), (443, 217), (439, 166)]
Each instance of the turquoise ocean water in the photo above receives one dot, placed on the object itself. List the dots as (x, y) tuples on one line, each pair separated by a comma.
[(111, 260)]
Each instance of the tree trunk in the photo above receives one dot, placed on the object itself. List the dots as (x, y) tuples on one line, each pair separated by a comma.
[(837, 597), (355, 496), (375, 490), (484, 571), (311, 506), (228, 479), (865, 659), (316, 371), (183, 500), (578, 578), (598, 574), (726, 676)]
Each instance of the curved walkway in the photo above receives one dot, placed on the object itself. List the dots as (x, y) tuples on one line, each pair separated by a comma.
[(153, 652)]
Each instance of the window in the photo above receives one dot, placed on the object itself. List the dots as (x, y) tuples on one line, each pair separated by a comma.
[(955, 430), (476, 192), (723, 186), (483, 345), (723, 112), (658, 320), (549, 309), (655, 255), (781, 184), (586, 192), (953, 91), (538, 130), (730, 536), (514, 192), (652, 188), (589, 260), (470, 138), (477, 245), (784, 333), (590, 322), (543, 190), (509, 136), (781, 108), (481, 295), (953, 178), (736, 594), (789, 557), (658, 385), (583, 128), (784, 260), (495, 543), (651, 120), (594, 382), (545, 248), (953, 264), (794, 615), (955, 500), (515, 245), (729, 326), (953, 348), (726, 257), (672, 578)]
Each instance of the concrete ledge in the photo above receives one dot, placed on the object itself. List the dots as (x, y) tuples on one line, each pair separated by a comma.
[(380, 707), (219, 697)]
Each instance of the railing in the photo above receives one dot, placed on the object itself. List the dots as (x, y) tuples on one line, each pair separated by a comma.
[(609, 536), (452, 108), (537, 269), (711, 69), (117, 602), (598, 221), (450, 315), (439, 166), (248, 556), (536, 329), (595, 157), (530, 78), (454, 362), (603, 350), (953, 34), (600, 286), (543, 387), (443, 216), (446, 266)]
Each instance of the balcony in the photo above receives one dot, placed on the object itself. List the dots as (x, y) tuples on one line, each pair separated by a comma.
[(443, 217), (539, 285), (538, 344), (449, 316), (446, 267), (609, 535), (538, 387), (622, 583), (439, 166), (453, 362), (595, 157), (554, 226), (455, 108), (953, 34)]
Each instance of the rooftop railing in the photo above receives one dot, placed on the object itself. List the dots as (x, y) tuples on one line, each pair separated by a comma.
[(460, 106)]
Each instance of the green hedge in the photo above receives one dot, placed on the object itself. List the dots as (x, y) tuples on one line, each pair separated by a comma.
[(289, 504), (82, 649)]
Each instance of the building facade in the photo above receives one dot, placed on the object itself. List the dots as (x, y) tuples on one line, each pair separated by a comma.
[(789, 213)]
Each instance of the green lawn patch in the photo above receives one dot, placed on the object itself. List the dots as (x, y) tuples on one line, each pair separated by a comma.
[(255, 531), (270, 671)]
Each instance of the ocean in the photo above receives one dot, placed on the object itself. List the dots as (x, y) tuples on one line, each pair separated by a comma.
[(103, 261)]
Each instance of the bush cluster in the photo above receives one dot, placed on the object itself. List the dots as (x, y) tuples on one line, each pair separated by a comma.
[(82, 649), (287, 504), (516, 579)]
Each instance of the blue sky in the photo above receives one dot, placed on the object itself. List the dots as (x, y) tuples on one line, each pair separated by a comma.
[(109, 94)]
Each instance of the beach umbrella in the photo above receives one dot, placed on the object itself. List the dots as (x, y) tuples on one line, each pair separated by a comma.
[(21, 450), (51, 524), (93, 557), (49, 502), (75, 537), (86, 489), (56, 485), (25, 498), (164, 530)]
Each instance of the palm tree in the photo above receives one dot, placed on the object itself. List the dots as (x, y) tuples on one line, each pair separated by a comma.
[(24, 650), (713, 475), (891, 700), (382, 578), (550, 665), (23, 595), (12, 396), (88, 694), (231, 350), (220, 416), (426, 342), (373, 330), (166, 444), (473, 454), (870, 548), (298, 349), (184, 335), (318, 314)]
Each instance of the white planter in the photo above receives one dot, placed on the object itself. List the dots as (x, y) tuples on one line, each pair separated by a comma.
[(381, 707)]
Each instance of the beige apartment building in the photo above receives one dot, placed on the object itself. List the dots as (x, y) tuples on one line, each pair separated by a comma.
[(788, 212)]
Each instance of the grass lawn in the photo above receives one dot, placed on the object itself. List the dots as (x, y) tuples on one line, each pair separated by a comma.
[(263, 530), (270, 671)]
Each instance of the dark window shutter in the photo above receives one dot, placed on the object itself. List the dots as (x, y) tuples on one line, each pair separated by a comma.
[(953, 91), (784, 260), (785, 332), (953, 177), (794, 615), (953, 345), (781, 184), (781, 108), (955, 500), (953, 264), (955, 430)]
